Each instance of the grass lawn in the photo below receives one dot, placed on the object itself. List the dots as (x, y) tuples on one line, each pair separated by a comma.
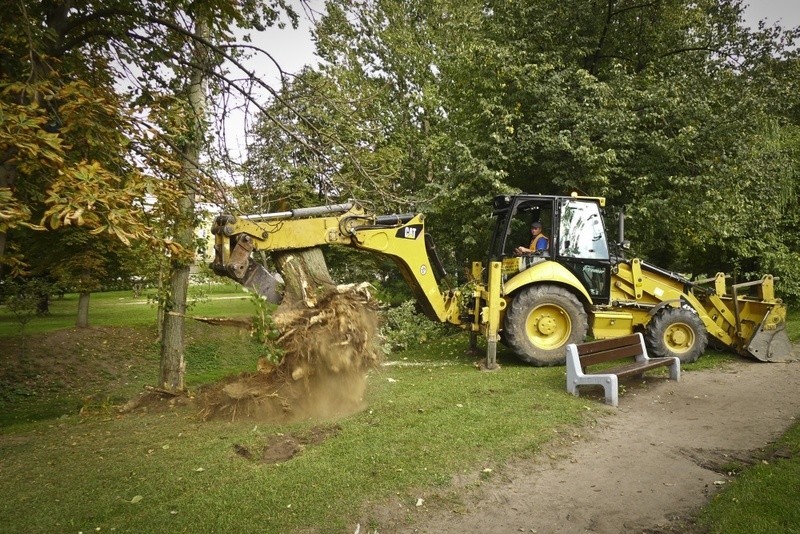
[(763, 499), (77, 465), (430, 416), (122, 308)]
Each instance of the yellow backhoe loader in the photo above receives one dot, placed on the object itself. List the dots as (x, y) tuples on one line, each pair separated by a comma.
[(533, 302)]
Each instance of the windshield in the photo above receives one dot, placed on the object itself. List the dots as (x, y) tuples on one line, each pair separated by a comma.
[(582, 232)]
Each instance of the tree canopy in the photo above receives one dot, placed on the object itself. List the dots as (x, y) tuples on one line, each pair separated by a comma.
[(104, 132), (676, 111)]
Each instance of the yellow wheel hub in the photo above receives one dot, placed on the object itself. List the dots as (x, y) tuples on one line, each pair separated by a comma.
[(548, 326), (679, 337)]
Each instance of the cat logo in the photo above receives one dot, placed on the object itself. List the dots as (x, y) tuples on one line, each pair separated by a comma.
[(411, 231)]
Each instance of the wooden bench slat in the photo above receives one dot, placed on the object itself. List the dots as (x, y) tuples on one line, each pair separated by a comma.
[(611, 354), (635, 368), (606, 344)]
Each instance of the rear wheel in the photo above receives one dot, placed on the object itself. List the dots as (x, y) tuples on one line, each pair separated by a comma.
[(540, 321), (676, 332)]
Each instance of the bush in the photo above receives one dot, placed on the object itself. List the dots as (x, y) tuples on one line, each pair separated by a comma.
[(404, 328), (392, 291)]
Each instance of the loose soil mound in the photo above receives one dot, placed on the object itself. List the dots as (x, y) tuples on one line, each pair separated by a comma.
[(328, 350)]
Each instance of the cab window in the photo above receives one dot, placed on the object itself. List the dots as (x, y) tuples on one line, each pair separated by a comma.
[(519, 231), (582, 232)]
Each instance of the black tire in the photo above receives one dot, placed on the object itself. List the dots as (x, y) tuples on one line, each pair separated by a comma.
[(676, 332), (540, 321)]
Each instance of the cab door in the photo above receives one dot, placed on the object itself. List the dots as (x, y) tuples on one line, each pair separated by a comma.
[(582, 246)]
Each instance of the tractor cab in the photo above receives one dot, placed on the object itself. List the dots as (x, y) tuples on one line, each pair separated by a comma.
[(575, 232)]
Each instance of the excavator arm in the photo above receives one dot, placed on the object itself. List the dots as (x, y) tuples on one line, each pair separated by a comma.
[(401, 237)]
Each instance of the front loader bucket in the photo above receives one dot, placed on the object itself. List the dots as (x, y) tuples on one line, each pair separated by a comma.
[(770, 342)]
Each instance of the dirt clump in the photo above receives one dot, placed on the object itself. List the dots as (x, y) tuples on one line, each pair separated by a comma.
[(152, 400), (327, 351), (281, 447)]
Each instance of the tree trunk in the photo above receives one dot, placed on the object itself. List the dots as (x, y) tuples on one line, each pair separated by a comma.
[(83, 310), (43, 302), (171, 376), (305, 275), (161, 302), (173, 366)]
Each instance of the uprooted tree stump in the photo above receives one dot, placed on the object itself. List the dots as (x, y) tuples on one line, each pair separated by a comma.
[(305, 276), (328, 336)]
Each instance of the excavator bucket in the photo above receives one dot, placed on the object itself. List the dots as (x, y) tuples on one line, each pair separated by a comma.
[(232, 259), (770, 342), (262, 282)]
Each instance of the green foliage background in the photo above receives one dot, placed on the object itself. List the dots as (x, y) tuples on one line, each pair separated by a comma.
[(677, 112)]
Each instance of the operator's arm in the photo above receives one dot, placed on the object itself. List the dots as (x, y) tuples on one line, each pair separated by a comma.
[(537, 246)]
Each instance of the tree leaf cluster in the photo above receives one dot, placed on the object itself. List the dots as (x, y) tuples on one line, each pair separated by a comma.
[(94, 119)]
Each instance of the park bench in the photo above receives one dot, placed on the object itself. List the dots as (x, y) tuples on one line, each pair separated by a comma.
[(581, 356)]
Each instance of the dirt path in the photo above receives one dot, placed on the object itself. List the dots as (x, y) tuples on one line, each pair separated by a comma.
[(646, 467)]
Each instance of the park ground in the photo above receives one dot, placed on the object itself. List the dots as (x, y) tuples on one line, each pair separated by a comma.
[(649, 466), (438, 447)]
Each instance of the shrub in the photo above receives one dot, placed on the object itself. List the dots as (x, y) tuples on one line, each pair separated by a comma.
[(404, 328)]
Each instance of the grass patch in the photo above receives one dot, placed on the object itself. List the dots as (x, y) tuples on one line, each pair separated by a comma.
[(92, 369), (763, 499), (430, 415), (121, 308), (793, 325), (209, 359)]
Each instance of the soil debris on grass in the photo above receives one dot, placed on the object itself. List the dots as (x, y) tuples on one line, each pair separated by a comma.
[(154, 399), (283, 447), (327, 352)]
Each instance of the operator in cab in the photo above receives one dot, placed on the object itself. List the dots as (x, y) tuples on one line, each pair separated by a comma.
[(539, 242)]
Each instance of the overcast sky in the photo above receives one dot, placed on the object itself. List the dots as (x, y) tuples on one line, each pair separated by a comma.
[(787, 12)]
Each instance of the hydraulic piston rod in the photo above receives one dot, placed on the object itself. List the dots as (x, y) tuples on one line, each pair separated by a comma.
[(300, 212)]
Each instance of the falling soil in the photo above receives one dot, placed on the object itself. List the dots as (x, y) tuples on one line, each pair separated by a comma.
[(328, 350)]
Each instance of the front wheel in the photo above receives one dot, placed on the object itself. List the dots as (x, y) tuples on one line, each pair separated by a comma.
[(540, 321), (676, 332)]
